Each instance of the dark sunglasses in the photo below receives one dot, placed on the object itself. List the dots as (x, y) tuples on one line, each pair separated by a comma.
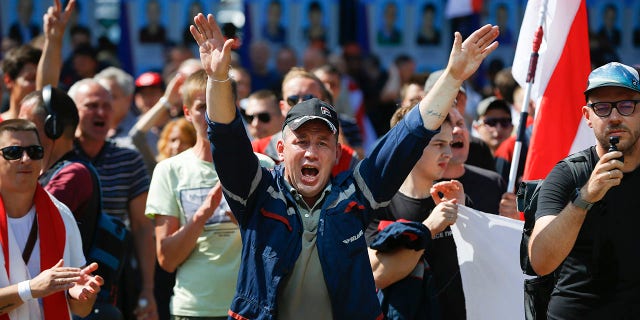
[(295, 99), (16, 152), (624, 107), (264, 117), (503, 122)]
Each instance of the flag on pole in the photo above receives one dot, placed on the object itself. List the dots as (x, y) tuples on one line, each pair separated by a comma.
[(560, 80)]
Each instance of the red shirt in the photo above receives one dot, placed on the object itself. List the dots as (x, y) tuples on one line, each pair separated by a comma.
[(75, 174)]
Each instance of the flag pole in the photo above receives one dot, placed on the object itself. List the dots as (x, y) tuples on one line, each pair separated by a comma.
[(522, 125)]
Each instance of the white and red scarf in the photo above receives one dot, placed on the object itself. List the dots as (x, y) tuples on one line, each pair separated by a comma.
[(52, 235)]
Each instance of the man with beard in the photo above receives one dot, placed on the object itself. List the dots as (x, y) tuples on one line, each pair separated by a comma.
[(586, 220)]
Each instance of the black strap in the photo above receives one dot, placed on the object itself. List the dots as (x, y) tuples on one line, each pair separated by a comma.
[(33, 235)]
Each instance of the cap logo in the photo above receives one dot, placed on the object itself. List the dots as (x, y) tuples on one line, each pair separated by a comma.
[(325, 111), (634, 82)]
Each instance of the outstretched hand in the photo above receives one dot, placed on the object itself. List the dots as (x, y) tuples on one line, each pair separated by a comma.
[(464, 60), (55, 20), (88, 286), (57, 278), (215, 50), (466, 57)]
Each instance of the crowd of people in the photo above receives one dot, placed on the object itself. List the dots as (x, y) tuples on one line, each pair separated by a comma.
[(320, 189)]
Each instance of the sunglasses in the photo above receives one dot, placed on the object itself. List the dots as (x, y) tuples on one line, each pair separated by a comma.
[(624, 107), (263, 117), (295, 99), (15, 152), (503, 122)]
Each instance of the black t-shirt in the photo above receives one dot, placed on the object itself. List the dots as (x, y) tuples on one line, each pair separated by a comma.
[(480, 154), (440, 253), (484, 187), (600, 277)]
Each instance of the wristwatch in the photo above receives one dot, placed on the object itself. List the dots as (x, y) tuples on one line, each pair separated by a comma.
[(579, 202)]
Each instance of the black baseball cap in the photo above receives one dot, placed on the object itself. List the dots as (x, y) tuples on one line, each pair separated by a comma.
[(310, 110)]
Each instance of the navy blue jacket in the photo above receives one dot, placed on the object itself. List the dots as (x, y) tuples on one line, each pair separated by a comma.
[(271, 227)]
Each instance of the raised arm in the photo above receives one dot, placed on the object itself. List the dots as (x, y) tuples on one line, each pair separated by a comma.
[(50, 64), (464, 60), (215, 54), (159, 112), (161, 109), (388, 164)]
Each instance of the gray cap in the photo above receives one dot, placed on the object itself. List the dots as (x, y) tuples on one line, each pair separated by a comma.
[(433, 77), (491, 103)]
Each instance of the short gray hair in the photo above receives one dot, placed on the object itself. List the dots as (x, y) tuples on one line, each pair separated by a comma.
[(122, 78), (73, 91)]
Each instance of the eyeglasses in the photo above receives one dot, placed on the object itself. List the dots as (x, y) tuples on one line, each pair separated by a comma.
[(263, 117), (295, 99), (503, 122), (15, 152), (624, 107)]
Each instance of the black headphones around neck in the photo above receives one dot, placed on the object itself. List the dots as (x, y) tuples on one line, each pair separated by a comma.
[(53, 126)]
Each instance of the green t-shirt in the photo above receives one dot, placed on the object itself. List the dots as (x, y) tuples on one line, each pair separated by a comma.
[(304, 293), (206, 280)]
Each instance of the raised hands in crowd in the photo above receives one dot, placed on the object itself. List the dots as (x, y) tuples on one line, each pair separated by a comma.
[(55, 24)]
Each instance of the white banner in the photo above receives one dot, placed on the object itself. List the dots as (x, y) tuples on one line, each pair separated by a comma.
[(489, 258)]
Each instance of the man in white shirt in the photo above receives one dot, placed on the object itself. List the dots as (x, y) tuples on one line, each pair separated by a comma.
[(33, 286)]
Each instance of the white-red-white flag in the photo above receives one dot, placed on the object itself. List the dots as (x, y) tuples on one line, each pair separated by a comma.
[(560, 80), (461, 8)]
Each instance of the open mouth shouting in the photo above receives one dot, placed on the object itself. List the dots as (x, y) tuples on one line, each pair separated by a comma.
[(309, 173), (457, 144)]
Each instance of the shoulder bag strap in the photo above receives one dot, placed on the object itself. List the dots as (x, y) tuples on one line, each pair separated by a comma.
[(31, 241)]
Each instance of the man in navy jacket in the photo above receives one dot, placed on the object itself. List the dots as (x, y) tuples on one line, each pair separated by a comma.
[(304, 252)]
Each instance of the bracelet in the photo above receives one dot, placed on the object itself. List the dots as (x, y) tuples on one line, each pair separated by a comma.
[(165, 102), (24, 291), (221, 81)]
